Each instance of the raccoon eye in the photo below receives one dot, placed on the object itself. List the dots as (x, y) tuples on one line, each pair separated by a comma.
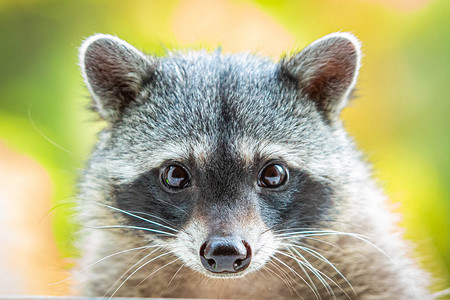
[(272, 176), (176, 177)]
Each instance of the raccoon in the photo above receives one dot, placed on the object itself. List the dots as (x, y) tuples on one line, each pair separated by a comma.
[(231, 176)]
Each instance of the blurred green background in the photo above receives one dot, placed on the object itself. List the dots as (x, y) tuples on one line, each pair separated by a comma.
[(400, 119)]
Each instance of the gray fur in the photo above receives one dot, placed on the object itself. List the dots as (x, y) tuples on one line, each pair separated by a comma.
[(224, 117)]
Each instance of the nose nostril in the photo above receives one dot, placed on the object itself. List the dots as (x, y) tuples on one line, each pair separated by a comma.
[(242, 264), (237, 263), (212, 263)]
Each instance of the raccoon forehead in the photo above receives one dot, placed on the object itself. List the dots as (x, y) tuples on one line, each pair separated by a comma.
[(200, 153)]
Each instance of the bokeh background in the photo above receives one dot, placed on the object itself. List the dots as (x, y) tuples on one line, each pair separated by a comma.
[(401, 118)]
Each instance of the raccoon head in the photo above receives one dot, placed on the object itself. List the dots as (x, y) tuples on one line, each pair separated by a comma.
[(215, 155)]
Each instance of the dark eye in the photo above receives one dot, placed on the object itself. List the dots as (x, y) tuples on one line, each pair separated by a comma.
[(272, 176), (176, 177)]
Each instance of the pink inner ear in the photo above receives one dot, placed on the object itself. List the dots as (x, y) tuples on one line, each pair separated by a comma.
[(108, 68), (114, 72), (334, 73), (332, 77)]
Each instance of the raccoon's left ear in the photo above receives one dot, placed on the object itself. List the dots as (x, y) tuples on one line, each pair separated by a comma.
[(326, 71)]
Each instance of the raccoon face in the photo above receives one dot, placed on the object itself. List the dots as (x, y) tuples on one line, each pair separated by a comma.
[(215, 155)]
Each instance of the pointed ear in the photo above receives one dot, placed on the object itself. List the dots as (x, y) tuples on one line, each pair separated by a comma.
[(326, 71), (114, 72)]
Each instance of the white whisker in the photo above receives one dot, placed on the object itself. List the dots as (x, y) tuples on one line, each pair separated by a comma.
[(131, 227), (133, 215), (46, 137), (152, 216), (306, 232), (316, 272), (302, 234), (160, 268), (285, 280), (134, 272), (307, 276), (298, 275), (129, 269), (174, 275), (324, 242), (324, 275), (102, 259), (284, 231), (324, 259)]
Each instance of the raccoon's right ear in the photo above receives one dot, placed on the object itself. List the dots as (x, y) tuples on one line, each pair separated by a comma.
[(114, 72)]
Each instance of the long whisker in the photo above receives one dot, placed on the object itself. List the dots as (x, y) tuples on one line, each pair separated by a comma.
[(313, 287), (56, 207), (33, 124), (316, 228), (315, 271), (130, 227), (303, 243), (130, 213), (176, 273), (129, 269), (306, 232), (133, 215), (152, 216), (288, 231), (134, 272), (173, 205), (160, 268), (298, 275), (324, 242), (322, 274), (331, 232), (100, 260), (307, 276), (324, 259), (284, 278), (265, 268)]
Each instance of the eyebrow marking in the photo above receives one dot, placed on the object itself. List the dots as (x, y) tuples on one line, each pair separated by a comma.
[(130, 167), (249, 150)]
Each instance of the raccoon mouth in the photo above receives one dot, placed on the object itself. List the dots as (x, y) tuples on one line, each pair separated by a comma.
[(225, 276)]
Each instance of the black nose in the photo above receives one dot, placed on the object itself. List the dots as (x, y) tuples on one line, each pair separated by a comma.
[(225, 255)]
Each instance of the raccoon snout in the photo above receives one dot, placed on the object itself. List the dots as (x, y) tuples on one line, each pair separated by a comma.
[(225, 255)]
